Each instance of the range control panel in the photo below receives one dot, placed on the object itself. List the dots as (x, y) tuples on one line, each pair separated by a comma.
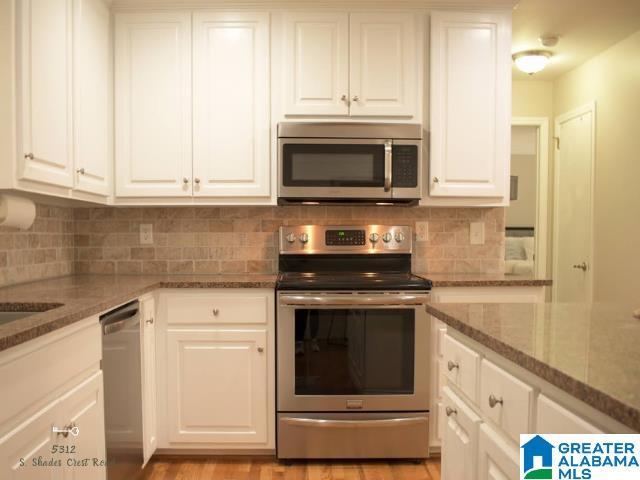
[(321, 239)]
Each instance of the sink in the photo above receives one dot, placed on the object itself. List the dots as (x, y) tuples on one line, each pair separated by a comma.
[(10, 312)]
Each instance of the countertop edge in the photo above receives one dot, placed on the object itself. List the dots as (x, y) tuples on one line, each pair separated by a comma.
[(595, 398), (490, 283)]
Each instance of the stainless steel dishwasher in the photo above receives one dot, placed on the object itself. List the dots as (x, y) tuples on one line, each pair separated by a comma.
[(121, 365)]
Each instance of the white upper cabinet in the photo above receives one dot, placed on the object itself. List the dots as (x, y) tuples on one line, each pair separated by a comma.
[(358, 64), (470, 104), (383, 76), (91, 99), (44, 89), (316, 80), (231, 104), (153, 104)]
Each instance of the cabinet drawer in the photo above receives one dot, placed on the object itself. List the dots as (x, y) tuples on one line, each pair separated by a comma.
[(554, 418), (227, 307), (460, 365), (505, 400)]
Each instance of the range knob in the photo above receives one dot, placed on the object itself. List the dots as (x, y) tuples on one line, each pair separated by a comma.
[(386, 238), (304, 238), (374, 237), (399, 237), (290, 238)]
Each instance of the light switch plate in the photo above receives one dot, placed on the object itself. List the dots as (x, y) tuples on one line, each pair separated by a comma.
[(422, 231), (476, 233), (146, 234)]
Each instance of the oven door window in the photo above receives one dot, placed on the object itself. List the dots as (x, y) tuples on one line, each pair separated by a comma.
[(333, 165), (354, 352)]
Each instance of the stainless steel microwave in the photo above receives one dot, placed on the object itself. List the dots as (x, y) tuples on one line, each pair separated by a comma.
[(375, 163)]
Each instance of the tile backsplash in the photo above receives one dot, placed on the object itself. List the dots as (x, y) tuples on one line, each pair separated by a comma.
[(244, 239), (45, 250)]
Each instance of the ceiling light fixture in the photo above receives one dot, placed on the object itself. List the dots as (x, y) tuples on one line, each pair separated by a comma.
[(531, 61)]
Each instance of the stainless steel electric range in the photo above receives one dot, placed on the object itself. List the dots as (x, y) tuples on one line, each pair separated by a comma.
[(352, 342)]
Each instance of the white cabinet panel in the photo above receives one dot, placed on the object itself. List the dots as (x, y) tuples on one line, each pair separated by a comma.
[(316, 62), (383, 73), (217, 386), (497, 459), (231, 104), (460, 439), (554, 418), (153, 104), (461, 366), (44, 90), (149, 410), (470, 104), (91, 100)]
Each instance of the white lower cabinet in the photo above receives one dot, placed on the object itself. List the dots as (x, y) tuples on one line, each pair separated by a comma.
[(497, 458), (459, 439), (554, 418)]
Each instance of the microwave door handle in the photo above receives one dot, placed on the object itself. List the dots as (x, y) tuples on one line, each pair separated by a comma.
[(387, 165)]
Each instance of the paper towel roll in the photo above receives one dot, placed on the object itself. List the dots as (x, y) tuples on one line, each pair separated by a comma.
[(17, 212)]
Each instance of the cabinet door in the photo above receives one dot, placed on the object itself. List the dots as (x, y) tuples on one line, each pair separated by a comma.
[(92, 151), (316, 64), (497, 458), (383, 64), (554, 418), (32, 439), (470, 104), (149, 410), (217, 386), (83, 407), (44, 89), (231, 104), (460, 439), (153, 104)]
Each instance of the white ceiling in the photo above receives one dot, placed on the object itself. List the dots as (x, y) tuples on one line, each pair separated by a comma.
[(584, 27)]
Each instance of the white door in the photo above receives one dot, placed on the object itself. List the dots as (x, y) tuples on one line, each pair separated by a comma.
[(153, 104), (316, 64), (83, 407), (231, 104), (470, 104), (217, 386), (573, 267), (91, 100), (149, 410), (497, 458), (383, 64), (45, 138), (460, 439)]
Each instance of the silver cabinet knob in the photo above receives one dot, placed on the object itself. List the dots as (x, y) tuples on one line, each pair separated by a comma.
[(452, 365), (197, 180), (356, 98), (150, 321), (291, 237), (399, 237), (436, 179), (80, 171), (581, 266), (386, 238), (260, 349), (374, 237), (304, 238), (493, 401), (450, 411), (215, 312), (344, 98), (30, 156), (185, 180)]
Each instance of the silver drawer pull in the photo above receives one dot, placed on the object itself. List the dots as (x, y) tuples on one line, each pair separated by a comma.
[(215, 312), (493, 401), (452, 365), (260, 349), (450, 411), (29, 156), (150, 321)]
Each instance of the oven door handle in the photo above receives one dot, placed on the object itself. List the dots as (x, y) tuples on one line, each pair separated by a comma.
[(322, 423), (354, 300), (388, 149)]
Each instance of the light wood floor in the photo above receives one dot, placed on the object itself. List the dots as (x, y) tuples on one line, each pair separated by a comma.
[(268, 468)]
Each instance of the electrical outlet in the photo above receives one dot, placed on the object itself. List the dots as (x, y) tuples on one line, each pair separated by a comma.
[(146, 234), (422, 231), (476, 233)]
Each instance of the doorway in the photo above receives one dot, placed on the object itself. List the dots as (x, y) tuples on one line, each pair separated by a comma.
[(573, 205)]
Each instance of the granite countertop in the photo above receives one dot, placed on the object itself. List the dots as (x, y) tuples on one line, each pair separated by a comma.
[(484, 280), (590, 351), (79, 296)]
